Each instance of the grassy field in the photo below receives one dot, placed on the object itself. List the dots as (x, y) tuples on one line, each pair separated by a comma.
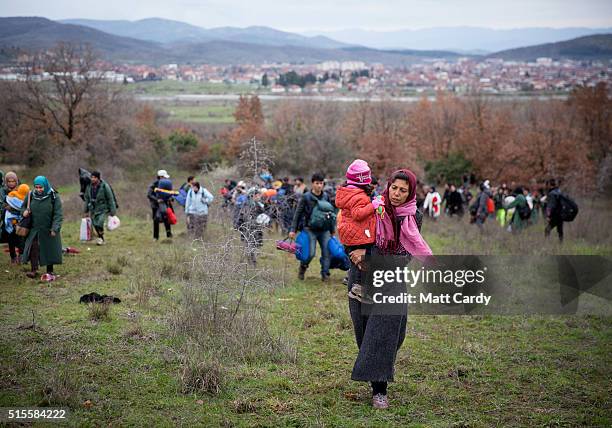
[(201, 113), (128, 367), (171, 87)]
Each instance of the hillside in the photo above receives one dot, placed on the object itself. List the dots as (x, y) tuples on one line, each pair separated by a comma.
[(33, 33), (39, 33), (459, 39), (151, 29), (597, 47), (168, 31)]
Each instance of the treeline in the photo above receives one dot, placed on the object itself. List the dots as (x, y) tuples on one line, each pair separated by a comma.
[(70, 121), (524, 141)]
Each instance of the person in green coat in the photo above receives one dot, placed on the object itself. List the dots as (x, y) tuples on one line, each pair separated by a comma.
[(99, 203), (519, 204), (43, 245)]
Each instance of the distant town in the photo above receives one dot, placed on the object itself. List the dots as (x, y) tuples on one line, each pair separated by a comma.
[(464, 75)]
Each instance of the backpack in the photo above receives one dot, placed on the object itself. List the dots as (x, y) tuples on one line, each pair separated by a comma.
[(523, 211), (323, 216), (568, 209)]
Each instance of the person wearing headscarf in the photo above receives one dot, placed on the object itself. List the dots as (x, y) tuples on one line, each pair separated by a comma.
[(379, 336), (43, 246), (11, 217), (99, 203), (8, 183)]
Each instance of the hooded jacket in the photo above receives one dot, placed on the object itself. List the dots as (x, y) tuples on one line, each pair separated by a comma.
[(357, 224)]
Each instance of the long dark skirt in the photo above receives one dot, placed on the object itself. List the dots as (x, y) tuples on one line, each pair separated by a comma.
[(378, 337)]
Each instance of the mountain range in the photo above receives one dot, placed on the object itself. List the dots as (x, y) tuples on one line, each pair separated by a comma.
[(459, 39), (157, 41), (168, 31)]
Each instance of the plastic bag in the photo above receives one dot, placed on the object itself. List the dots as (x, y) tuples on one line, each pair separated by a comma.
[(113, 223), (171, 216), (336, 250), (85, 231), (287, 245), (302, 252)]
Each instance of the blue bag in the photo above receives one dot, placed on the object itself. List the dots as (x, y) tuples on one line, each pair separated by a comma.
[(181, 198), (303, 252), (335, 248)]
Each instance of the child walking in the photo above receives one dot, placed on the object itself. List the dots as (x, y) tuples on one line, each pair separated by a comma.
[(357, 224)]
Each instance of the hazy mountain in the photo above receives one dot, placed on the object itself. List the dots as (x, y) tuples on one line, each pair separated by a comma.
[(597, 47), (228, 52), (270, 36), (458, 39), (167, 31), (33, 33), (152, 29), (40, 33)]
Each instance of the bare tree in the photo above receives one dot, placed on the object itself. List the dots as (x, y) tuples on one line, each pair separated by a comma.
[(61, 91)]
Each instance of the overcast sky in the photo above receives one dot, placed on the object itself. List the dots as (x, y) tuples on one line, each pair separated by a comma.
[(302, 15)]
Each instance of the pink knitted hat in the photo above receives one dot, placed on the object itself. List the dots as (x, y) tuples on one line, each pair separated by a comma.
[(358, 173)]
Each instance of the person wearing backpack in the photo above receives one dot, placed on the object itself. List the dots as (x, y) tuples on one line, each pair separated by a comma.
[(560, 208), (43, 245), (521, 214), (315, 216), (99, 203), (160, 195), (480, 208), (196, 207)]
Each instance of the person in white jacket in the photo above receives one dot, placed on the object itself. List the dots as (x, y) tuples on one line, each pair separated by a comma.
[(432, 203), (196, 207)]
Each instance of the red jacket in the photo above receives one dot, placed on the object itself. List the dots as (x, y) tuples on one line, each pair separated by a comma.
[(357, 223)]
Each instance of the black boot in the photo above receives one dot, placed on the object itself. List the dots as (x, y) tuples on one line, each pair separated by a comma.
[(302, 272)]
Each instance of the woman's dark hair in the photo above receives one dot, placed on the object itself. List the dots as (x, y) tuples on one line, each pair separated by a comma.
[(191, 177), (96, 174), (196, 184), (317, 176), (400, 176)]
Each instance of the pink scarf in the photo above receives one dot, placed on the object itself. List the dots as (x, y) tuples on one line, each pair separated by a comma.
[(410, 238)]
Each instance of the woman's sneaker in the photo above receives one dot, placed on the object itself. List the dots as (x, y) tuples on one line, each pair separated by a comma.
[(48, 277), (380, 401), (100, 241), (357, 294)]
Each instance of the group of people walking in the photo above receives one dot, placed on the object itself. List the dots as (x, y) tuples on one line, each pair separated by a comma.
[(31, 222), (370, 219)]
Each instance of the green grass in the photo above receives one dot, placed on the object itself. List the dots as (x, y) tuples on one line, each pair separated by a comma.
[(451, 371), (211, 113), (170, 87)]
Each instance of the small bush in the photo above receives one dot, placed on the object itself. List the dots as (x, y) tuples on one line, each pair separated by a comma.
[(200, 373), (60, 389), (114, 268), (123, 261), (99, 311)]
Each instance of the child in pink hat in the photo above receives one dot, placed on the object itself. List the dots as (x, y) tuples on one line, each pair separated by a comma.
[(357, 220)]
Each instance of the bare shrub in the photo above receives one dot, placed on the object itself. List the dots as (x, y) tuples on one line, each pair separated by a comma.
[(60, 388), (114, 268), (200, 373), (146, 282), (99, 311), (222, 303)]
